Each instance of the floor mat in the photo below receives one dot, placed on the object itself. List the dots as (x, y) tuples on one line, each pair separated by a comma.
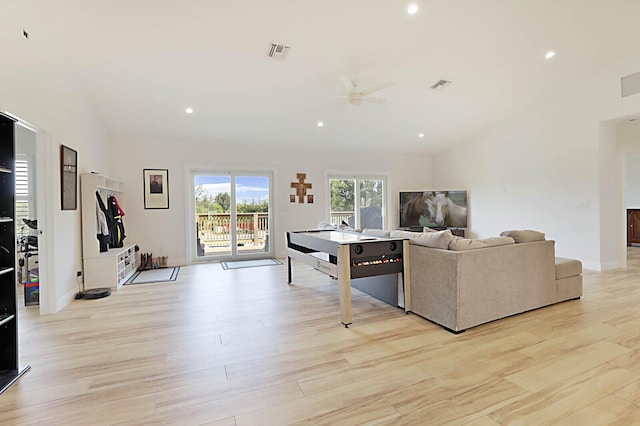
[(239, 264), (154, 276)]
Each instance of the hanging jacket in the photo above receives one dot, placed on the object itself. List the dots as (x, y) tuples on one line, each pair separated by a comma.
[(102, 224), (115, 200), (116, 230)]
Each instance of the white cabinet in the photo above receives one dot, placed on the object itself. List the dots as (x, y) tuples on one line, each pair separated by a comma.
[(110, 269), (102, 269)]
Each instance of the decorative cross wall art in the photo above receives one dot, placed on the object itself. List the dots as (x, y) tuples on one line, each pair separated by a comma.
[(301, 189)]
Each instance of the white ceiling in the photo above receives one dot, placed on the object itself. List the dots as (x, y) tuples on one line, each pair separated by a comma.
[(142, 62)]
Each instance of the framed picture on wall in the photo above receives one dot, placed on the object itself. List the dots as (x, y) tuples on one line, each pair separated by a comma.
[(68, 178), (156, 188)]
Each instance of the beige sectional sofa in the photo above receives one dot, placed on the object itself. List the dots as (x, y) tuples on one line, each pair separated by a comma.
[(461, 283)]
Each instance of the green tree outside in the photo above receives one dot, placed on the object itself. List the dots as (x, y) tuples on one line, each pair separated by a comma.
[(221, 203), (370, 193), (342, 195)]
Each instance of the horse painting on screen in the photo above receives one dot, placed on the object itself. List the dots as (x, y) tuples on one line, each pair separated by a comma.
[(444, 212), (435, 209)]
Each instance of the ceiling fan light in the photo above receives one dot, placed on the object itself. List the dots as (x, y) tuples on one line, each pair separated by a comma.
[(355, 98)]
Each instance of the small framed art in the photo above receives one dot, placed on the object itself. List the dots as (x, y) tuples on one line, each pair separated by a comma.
[(156, 188)]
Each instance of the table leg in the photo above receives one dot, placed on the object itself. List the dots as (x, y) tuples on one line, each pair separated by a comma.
[(406, 281), (344, 283), (289, 270)]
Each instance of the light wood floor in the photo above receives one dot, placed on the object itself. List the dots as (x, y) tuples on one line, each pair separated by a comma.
[(240, 347)]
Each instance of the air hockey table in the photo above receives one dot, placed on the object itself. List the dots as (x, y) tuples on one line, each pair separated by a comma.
[(350, 256)]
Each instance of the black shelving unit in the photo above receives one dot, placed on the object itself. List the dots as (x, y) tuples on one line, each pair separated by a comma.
[(9, 368)]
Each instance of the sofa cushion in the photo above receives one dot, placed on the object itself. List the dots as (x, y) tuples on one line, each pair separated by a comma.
[(567, 268), (343, 227), (462, 244), (326, 226), (524, 236), (437, 239), (376, 232)]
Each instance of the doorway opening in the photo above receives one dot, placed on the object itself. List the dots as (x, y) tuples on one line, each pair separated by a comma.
[(27, 247), (34, 144)]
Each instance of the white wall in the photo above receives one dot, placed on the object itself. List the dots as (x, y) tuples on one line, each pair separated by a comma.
[(628, 138), (25, 143), (551, 167), (34, 87), (164, 231), (632, 181)]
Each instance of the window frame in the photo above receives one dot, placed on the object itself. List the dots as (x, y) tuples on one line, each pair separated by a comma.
[(233, 173), (358, 177), (30, 197)]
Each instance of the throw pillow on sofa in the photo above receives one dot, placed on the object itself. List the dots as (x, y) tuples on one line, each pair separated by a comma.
[(524, 236), (437, 239), (462, 244), (326, 226), (376, 232)]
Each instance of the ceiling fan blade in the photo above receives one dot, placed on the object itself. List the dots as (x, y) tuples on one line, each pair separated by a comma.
[(347, 84), (377, 87), (372, 99)]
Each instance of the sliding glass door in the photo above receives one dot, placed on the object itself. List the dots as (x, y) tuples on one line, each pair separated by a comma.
[(232, 214)]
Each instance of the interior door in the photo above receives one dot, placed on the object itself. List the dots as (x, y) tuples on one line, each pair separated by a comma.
[(633, 227)]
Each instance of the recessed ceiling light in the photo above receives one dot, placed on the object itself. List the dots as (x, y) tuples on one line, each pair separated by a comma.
[(550, 54), (189, 110), (421, 135), (320, 124), (413, 9)]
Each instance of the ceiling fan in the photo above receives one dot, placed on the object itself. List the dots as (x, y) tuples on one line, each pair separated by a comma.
[(356, 96)]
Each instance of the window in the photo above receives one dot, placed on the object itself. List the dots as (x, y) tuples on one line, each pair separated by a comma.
[(358, 201), (24, 198)]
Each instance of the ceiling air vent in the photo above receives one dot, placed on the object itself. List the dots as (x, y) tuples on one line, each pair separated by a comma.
[(277, 51), (440, 84), (630, 84)]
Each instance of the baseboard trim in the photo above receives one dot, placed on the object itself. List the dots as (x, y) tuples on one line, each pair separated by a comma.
[(603, 266), (65, 300)]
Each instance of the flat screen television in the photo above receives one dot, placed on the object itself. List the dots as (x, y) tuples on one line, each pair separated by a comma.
[(434, 209)]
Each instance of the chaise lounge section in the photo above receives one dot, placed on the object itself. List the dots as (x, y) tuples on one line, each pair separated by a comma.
[(460, 283)]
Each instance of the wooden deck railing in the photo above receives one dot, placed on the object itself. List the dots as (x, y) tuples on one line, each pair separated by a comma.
[(214, 229), (338, 217)]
